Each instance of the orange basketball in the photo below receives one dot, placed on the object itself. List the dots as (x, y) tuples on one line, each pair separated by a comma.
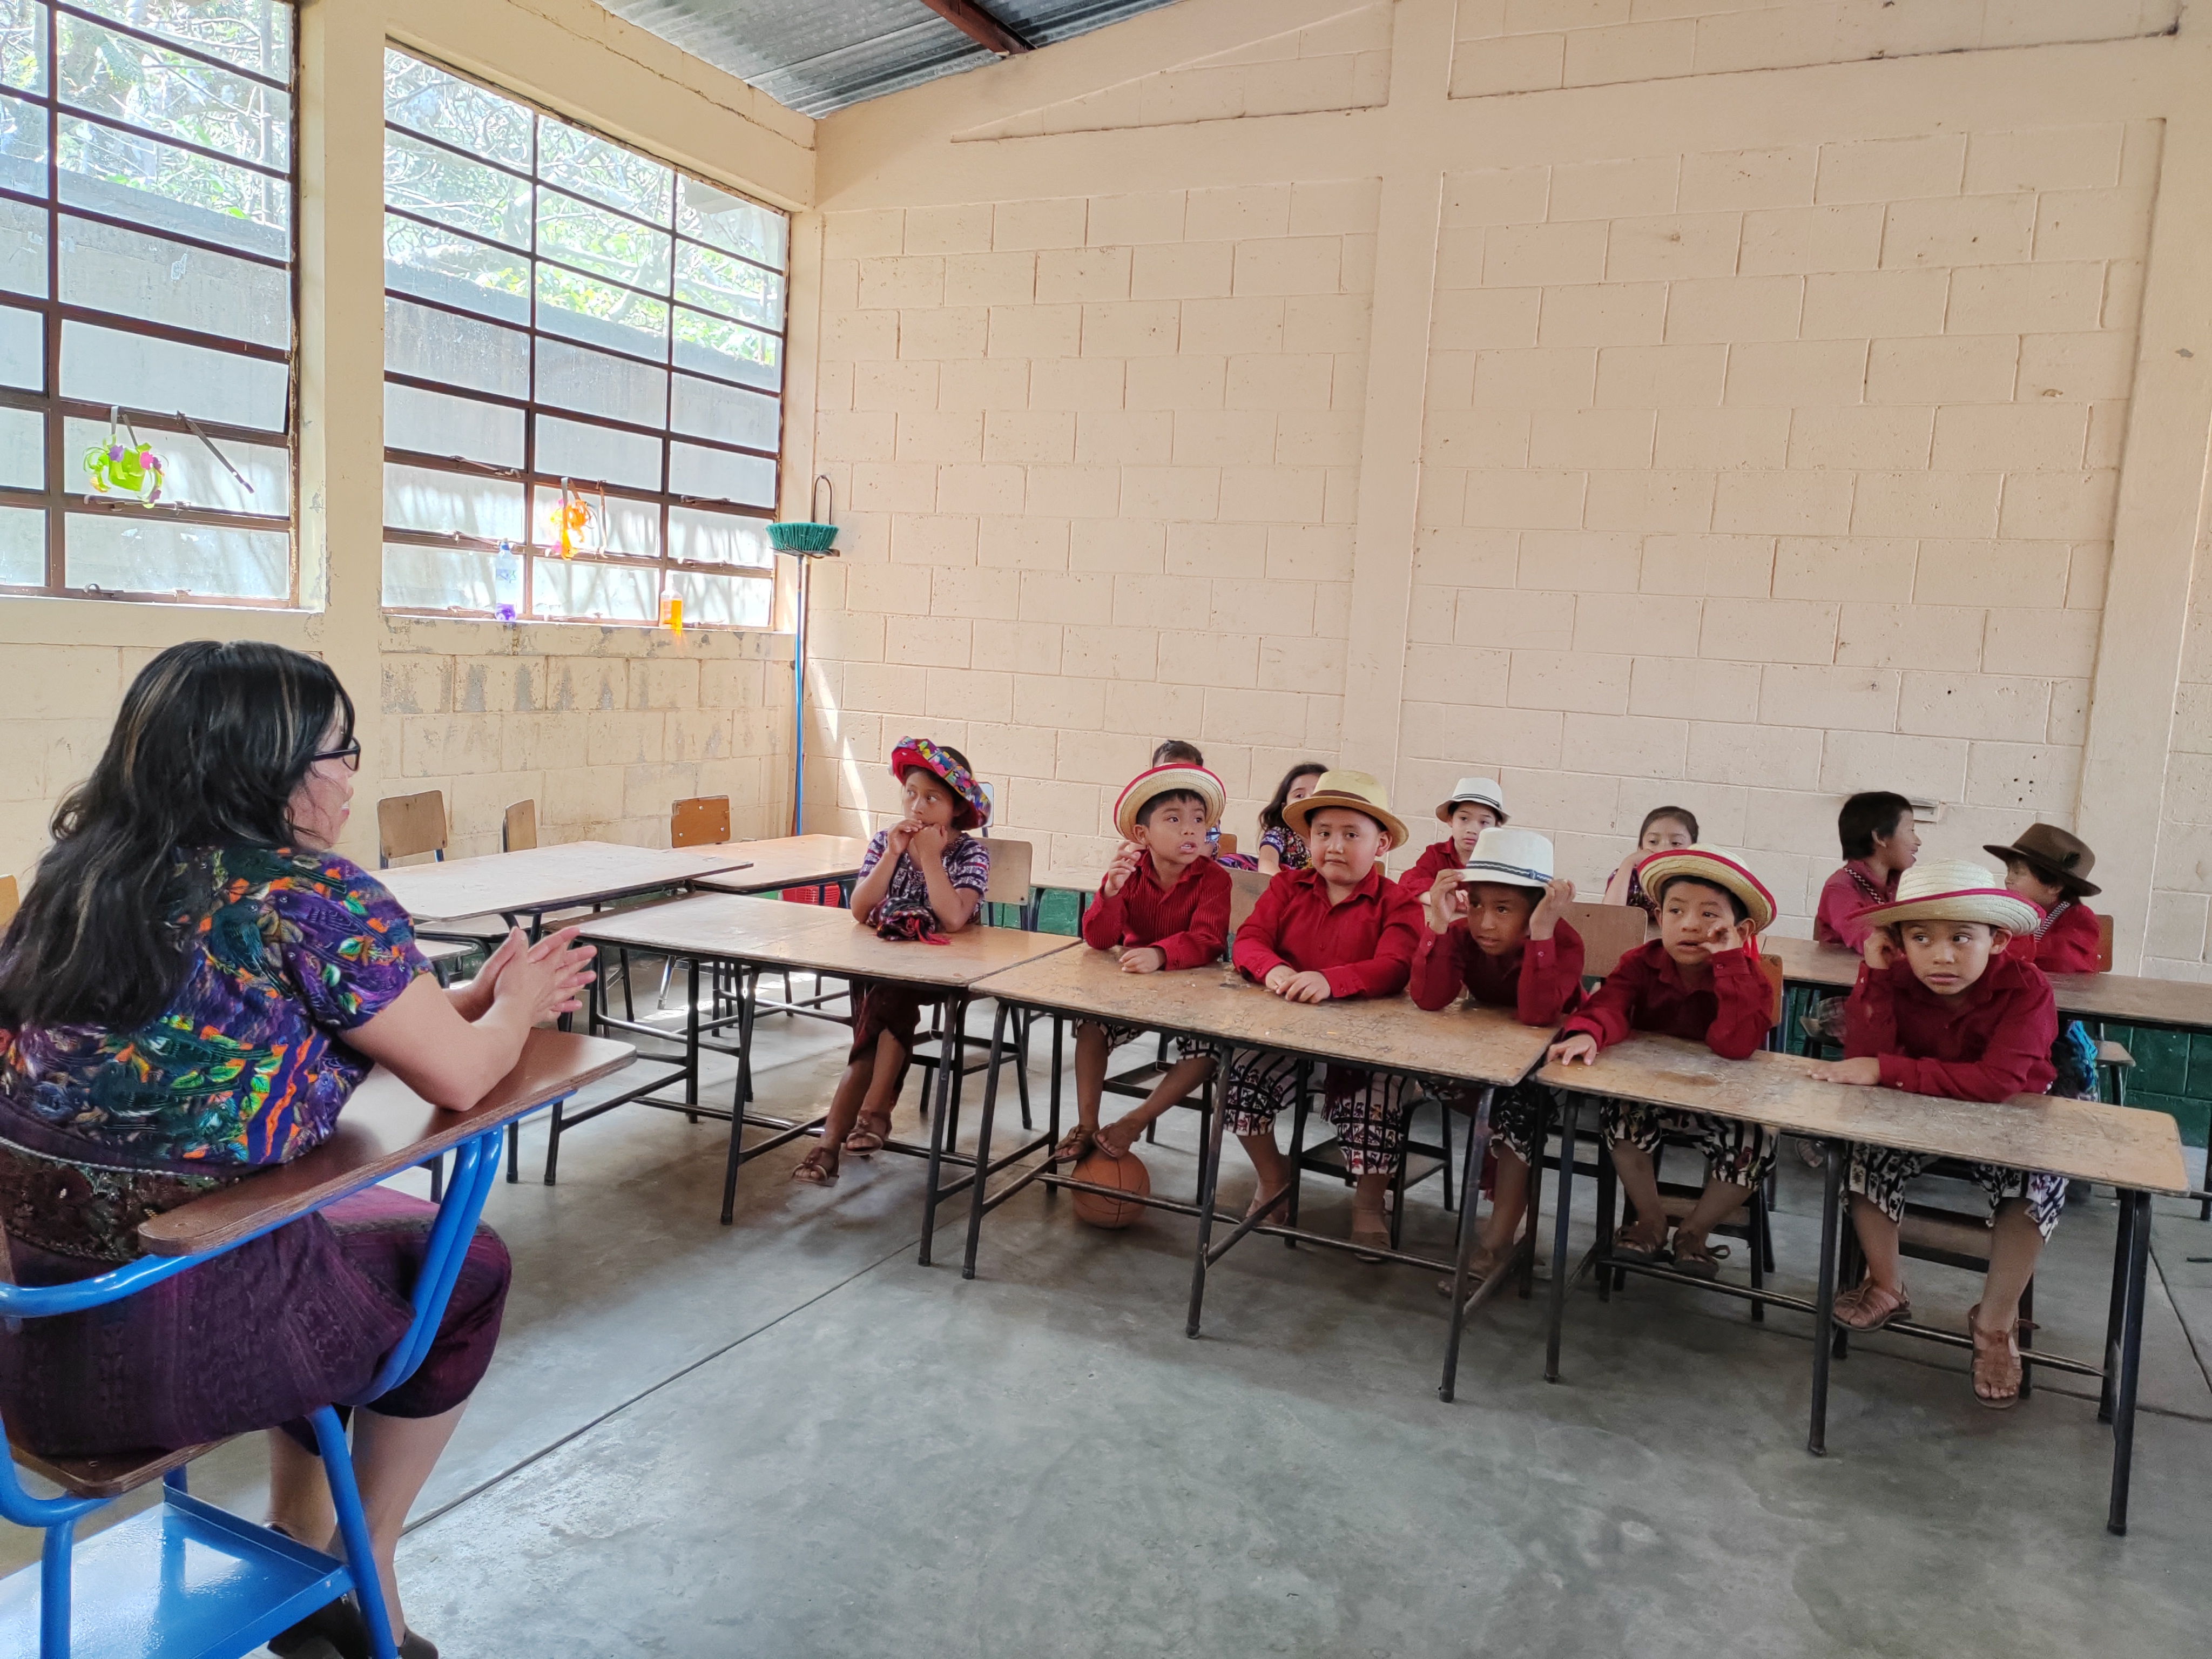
[(1129, 1174)]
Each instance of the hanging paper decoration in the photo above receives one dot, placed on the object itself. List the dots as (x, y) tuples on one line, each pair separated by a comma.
[(121, 468), (574, 519), (671, 612)]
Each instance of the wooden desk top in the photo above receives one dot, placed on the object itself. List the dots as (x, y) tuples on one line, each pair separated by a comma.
[(820, 940), (2130, 999), (1805, 962), (2085, 1139), (540, 879), (385, 1128), (1481, 1045), (786, 861)]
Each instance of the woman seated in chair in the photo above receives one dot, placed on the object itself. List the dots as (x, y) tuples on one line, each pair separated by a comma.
[(193, 987)]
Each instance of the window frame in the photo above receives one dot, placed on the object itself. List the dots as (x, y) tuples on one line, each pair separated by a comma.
[(537, 541), (59, 501)]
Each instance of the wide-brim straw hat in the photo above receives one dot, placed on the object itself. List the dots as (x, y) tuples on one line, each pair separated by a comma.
[(1953, 890), (2054, 855), (1167, 780), (1716, 869), (1474, 792), (1512, 858), (974, 810), (1356, 790)]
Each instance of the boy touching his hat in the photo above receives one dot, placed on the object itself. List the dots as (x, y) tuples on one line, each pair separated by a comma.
[(1340, 928), (1701, 980), (920, 878), (1942, 1008), (2050, 869), (1496, 930), (1477, 804), (1164, 905)]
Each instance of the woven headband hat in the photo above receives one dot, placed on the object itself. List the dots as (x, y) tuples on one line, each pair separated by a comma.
[(1953, 890), (976, 808), (1715, 869), (1167, 780), (1512, 858)]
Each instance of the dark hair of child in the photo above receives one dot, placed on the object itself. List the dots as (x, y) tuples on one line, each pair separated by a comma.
[(1681, 815), (1737, 908), (1865, 817), (1166, 796), (1271, 815), (1175, 752)]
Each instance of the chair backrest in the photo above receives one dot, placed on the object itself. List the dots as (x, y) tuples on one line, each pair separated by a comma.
[(1228, 843), (1772, 967), (1011, 863), (1609, 932), (1245, 887), (701, 820), (2104, 945), (518, 830), (407, 825), (10, 900)]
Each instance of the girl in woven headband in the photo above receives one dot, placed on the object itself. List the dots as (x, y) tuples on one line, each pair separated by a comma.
[(922, 879)]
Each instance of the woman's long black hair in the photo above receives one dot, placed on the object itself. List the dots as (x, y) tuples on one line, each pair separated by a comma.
[(212, 740), (1271, 815)]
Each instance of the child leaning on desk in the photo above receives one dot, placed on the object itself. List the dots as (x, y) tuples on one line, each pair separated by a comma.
[(1165, 904), (1942, 1007), (1496, 930), (1341, 928), (1699, 980), (923, 879)]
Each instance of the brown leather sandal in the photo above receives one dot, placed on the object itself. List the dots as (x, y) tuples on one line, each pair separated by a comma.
[(1641, 1241), (1699, 1260), (1997, 1363), (817, 1169), (867, 1136), (1868, 1307)]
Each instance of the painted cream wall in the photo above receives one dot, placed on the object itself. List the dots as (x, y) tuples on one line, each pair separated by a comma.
[(1741, 438), (602, 727)]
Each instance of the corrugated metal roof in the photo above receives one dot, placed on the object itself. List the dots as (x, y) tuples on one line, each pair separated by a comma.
[(818, 55)]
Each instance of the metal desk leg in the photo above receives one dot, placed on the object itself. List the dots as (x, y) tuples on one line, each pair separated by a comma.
[(1824, 1296), (691, 1037), (941, 1128), (1478, 1142), (1570, 1120), (748, 1011), (983, 1143), (1058, 1026), (2123, 1401), (1209, 1178), (2115, 1315)]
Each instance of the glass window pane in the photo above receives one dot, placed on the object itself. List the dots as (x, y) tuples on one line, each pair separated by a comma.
[(728, 350), (708, 409), (137, 553), (432, 424), (588, 164), (601, 313), (22, 147), (23, 248), (254, 35), (576, 588), (125, 78), (455, 191), (455, 350), (570, 449), (719, 282), (439, 578), (455, 269), (417, 498), (704, 538), (416, 94), (102, 366), (731, 222), (108, 171), (22, 349), (595, 384), (723, 601), (141, 276), (627, 526), (23, 45), (191, 475), (582, 234), (717, 475), (23, 548), (22, 448)]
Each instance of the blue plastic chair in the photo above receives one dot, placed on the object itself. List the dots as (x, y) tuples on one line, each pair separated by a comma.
[(184, 1576)]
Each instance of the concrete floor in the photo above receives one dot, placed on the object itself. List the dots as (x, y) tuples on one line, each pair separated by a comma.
[(785, 1436)]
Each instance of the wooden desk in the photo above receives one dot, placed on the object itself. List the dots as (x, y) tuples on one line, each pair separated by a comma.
[(536, 879), (769, 866)]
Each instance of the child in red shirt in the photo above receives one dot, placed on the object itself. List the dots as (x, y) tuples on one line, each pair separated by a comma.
[(1942, 1007), (2050, 869), (1664, 828), (1880, 841), (1163, 904), (1339, 929), (1477, 804), (1499, 935), (1699, 979)]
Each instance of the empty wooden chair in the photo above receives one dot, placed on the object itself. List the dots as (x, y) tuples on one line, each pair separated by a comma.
[(1609, 932), (10, 900), (1228, 843), (2104, 945), (518, 830), (1245, 887), (408, 826), (701, 820)]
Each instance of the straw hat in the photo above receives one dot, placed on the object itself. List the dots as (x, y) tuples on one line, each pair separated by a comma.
[(1166, 779), (1474, 792), (1356, 790), (2054, 855), (1953, 890), (1716, 868), (975, 809), (1512, 858)]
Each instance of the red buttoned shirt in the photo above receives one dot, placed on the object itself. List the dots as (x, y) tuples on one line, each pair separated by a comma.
[(1647, 992), (1189, 922), (1436, 857), (1538, 979), (2067, 945), (1364, 945), (1851, 889), (1990, 1042)]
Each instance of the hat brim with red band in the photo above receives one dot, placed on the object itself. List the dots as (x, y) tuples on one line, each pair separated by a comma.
[(1993, 907), (975, 809), (1715, 869), (1167, 780)]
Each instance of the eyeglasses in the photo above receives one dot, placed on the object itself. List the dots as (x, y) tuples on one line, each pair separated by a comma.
[(350, 756)]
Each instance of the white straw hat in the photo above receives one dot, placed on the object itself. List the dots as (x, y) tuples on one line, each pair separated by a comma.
[(1512, 858), (1474, 792), (1953, 890)]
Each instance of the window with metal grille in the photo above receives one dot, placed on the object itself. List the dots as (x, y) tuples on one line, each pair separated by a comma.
[(146, 183), (583, 354)]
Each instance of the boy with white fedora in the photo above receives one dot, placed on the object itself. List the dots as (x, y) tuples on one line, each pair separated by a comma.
[(1942, 1007), (1497, 931), (1474, 806)]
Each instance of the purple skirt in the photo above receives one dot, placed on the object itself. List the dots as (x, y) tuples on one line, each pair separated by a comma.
[(255, 1338)]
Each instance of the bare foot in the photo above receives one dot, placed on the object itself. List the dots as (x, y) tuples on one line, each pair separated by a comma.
[(1074, 1145)]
